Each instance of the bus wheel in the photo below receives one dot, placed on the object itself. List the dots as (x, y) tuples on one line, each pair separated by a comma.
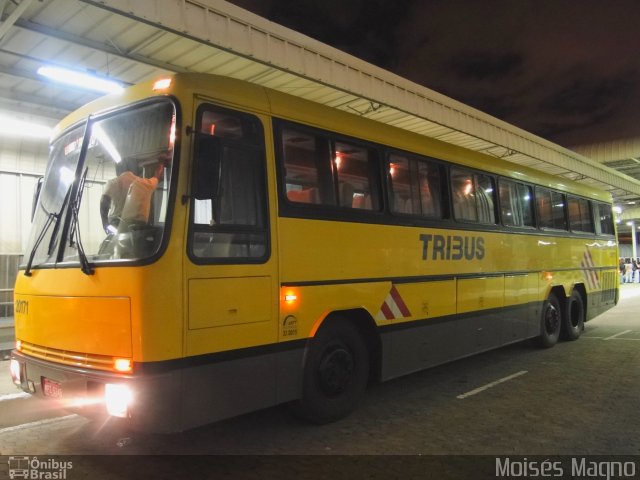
[(573, 319), (335, 373), (550, 323)]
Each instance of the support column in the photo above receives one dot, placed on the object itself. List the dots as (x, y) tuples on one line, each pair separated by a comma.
[(634, 243)]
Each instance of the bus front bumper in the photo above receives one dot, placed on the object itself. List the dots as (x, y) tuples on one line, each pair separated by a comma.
[(148, 402)]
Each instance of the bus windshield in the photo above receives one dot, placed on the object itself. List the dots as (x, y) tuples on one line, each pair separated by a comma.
[(107, 186)]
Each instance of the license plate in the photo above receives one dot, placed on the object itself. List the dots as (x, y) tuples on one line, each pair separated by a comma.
[(51, 388)]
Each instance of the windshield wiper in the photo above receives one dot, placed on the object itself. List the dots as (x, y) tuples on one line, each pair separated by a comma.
[(74, 234), (52, 241), (51, 217)]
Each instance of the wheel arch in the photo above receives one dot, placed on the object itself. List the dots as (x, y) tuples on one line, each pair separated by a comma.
[(366, 326), (560, 293)]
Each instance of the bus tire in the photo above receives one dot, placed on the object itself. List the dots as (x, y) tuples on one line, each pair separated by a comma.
[(550, 323), (573, 318), (335, 373)]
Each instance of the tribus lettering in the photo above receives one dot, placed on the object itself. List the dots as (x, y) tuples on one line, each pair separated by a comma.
[(451, 247)]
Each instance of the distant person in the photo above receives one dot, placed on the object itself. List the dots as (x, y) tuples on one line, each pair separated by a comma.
[(627, 273), (634, 270), (622, 269)]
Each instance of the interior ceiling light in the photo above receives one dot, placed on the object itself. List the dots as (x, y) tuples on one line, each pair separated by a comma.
[(10, 127), (80, 79)]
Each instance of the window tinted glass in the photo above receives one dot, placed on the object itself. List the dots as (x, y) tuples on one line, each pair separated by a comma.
[(525, 197), (307, 168), (463, 193), (604, 218), (357, 176), (486, 194), (233, 225), (515, 204), (551, 209), (415, 185), (580, 215), (473, 196), (321, 169)]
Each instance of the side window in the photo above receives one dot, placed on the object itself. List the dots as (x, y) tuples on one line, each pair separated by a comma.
[(473, 196), (525, 196), (357, 175), (307, 168), (579, 215), (322, 170), (415, 185), (604, 218), (516, 205), (485, 189), (551, 209), (232, 226)]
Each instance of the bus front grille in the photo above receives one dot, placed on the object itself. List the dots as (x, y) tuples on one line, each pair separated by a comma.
[(66, 357)]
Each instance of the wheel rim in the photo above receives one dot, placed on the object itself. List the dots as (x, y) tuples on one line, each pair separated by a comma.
[(335, 370), (551, 320)]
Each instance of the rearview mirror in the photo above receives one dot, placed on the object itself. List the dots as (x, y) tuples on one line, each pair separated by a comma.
[(207, 159)]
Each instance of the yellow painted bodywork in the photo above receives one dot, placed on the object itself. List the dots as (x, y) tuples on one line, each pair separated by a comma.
[(174, 308)]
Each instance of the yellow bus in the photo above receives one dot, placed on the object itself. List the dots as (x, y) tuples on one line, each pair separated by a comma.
[(203, 247)]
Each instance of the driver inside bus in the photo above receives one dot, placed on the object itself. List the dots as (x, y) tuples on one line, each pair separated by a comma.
[(126, 199)]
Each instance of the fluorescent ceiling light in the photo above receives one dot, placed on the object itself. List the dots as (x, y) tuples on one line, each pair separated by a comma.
[(80, 79), (10, 127)]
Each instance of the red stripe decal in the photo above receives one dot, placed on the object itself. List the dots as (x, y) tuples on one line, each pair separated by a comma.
[(589, 258), (386, 311), (399, 302)]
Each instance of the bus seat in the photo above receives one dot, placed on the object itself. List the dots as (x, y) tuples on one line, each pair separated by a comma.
[(346, 195), (308, 195), (362, 201), (401, 204)]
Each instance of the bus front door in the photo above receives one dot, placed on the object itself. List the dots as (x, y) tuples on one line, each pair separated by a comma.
[(231, 272)]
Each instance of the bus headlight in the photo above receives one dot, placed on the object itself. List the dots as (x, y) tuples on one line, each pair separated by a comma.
[(14, 366), (117, 398)]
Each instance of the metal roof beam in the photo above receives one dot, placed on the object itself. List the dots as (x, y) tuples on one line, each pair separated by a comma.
[(13, 17), (21, 73), (92, 44), (41, 102)]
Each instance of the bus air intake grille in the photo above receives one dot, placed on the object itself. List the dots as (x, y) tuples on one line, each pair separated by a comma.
[(75, 359)]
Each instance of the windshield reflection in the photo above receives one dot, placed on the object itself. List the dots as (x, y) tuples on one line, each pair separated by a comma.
[(119, 210), (59, 176)]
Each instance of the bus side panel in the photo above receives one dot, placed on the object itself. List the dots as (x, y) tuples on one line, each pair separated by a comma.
[(228, 387), (429, 341), (521, 302), (479, 305)]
